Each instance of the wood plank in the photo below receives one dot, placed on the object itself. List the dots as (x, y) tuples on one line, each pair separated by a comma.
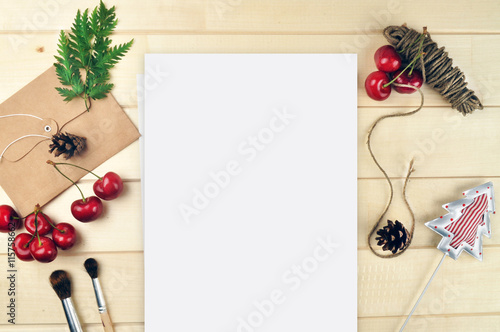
[(467, 323), (478, 69), (119, 228), (150, 15), (426, 196), (482, 72), (262, 16), (390, 287), (347, 16), (121, 275), (443, 143), (118, 327)]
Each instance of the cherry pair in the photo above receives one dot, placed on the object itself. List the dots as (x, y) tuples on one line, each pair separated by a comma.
[(36, 245), (108, 187), (378, 84)]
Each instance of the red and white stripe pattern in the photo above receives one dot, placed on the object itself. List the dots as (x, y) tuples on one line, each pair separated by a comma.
[(464, 229)]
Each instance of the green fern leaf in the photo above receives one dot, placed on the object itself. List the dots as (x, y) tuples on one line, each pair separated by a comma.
[(110, 58), (67, 94), (87, 48), (100, 91)]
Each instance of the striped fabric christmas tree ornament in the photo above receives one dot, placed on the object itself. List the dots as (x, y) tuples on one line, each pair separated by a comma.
[(467, 220), (462, 228)]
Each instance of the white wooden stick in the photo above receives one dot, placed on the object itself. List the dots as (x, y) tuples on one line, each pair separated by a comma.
[(423, 292)]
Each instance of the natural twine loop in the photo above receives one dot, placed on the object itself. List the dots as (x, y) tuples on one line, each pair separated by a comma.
[(449, 81), (418, 45), (45, 138), (410, 170)]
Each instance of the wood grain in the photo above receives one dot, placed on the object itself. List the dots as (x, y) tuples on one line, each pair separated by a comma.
[(437, 138), (453, 152), (124, 327), (120, 274), (262, 16), (433, 323), (480, 76), (390, 287)]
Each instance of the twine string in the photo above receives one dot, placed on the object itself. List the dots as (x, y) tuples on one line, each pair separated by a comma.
[(45, 138), (447, 80), (391, 188), (87, 108), (20, 138)]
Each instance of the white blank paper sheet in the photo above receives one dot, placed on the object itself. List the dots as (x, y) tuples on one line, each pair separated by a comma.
[(250, 192)]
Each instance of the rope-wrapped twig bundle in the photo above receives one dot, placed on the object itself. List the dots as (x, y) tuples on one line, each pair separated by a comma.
[(439, 72)]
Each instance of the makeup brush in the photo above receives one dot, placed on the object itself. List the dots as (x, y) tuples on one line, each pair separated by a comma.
[(61, 284), (91, 267)]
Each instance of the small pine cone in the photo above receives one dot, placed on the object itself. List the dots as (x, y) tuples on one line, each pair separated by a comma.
[(393, 237), (67, 144)]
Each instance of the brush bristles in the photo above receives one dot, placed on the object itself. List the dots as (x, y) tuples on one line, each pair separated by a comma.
[(91, 267), (61, 284)]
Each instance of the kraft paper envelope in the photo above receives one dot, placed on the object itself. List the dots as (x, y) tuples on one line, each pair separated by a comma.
[(30, 181)]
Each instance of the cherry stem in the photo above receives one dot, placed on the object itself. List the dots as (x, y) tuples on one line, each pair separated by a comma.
[(86, 170), (408, 66), (51, 224), (32, 237), (412, 64), (36, 227), (411, 69), (415, 41), (419, 52), (38, 237), (36, 221), (57, 169)]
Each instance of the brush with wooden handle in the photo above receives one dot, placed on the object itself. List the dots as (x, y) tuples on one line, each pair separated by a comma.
[(91, 267), (61, 284)]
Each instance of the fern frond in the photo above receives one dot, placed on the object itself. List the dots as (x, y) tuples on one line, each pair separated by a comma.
[(87, 47)]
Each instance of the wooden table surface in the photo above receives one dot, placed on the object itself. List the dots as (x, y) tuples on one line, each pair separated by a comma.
[(464, 295)]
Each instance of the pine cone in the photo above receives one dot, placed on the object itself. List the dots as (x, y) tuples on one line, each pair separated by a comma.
[(393, 237), (67, 145)]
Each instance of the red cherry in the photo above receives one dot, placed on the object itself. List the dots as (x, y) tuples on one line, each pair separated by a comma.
[(108, 187), (374, 86), (43, 250), (64, 235), (88, 210), (387, 59), (44, 223), (415, 79), (9, 220), (21, 247)]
